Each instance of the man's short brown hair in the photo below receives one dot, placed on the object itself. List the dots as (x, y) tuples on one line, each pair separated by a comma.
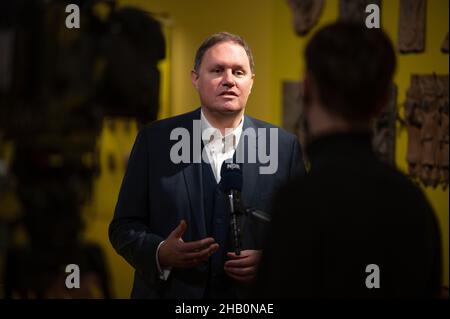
[(219, 38)]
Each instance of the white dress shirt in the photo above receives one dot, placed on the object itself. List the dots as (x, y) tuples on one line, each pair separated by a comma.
[(218, 147)]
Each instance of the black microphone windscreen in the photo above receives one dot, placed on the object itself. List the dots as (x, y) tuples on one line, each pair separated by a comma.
[(231, 176)]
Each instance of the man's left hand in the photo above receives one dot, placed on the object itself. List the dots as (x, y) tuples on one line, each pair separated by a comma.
[(243, 268)]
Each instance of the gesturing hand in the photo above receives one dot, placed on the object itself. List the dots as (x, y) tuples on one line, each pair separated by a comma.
[(244, 267), (174, 252)]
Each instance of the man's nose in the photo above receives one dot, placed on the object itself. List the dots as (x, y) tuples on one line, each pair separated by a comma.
[(228, 78)]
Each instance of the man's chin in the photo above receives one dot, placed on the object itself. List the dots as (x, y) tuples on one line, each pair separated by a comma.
[(226, 110), (230, 109)]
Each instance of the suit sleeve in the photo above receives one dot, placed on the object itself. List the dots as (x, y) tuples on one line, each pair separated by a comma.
[(128, 231), (297, 166)]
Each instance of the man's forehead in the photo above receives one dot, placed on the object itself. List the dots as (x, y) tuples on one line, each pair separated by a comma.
[(224, 53)]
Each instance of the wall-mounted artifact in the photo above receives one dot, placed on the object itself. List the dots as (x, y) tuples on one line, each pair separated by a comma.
[(306, 14), (355, 10), (411, 28), (131, 80), (426, 116)]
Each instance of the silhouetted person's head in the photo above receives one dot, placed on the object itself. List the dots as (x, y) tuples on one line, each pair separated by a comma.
[(349, 71)]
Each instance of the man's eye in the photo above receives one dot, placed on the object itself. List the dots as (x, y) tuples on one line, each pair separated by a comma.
[(217, 70), (239, 73)]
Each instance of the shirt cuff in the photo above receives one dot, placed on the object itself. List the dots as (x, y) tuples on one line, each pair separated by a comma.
[(163, 273)]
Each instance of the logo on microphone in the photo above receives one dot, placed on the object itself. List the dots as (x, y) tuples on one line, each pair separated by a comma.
[(233, 166)]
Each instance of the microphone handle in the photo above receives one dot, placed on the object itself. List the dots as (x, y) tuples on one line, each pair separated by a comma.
[(235, 230)]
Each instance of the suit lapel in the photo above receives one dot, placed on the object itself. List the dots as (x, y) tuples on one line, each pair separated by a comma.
[(249, 170), (193, 181), (194, 186)]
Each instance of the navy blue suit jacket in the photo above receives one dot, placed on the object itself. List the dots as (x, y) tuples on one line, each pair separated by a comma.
[(157, 193)]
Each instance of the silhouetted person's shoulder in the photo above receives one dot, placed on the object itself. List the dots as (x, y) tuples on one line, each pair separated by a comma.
[(349, 212)]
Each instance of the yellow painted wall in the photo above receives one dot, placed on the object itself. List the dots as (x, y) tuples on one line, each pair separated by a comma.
[(266, 26)]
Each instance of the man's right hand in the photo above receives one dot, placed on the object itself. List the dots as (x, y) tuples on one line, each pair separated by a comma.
[(174, 252)]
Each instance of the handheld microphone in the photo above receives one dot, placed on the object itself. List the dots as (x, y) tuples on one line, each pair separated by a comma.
[(231, 181)]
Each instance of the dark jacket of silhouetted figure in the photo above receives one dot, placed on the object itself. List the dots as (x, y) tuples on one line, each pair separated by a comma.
[(354, 211)]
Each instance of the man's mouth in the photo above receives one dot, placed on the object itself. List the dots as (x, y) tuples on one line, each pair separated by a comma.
[(228, 93)]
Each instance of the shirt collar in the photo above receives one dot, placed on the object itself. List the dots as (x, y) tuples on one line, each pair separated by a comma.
[(210, 134)]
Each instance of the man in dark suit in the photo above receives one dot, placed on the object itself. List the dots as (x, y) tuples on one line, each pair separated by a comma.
[(361, 228), (171, 221)]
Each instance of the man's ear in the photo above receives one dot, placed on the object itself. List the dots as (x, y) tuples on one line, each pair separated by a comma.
[(194, 79), (251, 86)]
